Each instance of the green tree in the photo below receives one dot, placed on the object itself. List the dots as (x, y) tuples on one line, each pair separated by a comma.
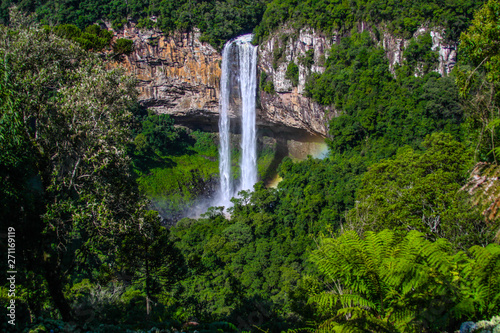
[(420, 191), (161, 134), (479, 84), (71, 118), (123, 46), (402, 18), (380, 112), (292, 73), (150, 258), (93, 38), (478, 78), (419, 52), (218, 21)]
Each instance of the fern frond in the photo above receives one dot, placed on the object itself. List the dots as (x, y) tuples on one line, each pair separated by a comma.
[(487, 278), (301, 330), (363, 320), (326, 300), (329, 326), (350, 300), (391, 285)]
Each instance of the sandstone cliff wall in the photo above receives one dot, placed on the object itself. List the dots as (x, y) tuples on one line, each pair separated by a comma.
[(178, 74)]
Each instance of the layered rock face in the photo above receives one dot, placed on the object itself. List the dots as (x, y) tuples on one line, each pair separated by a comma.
[(287, 45), (447, 52), (289, 104), (179, 75)]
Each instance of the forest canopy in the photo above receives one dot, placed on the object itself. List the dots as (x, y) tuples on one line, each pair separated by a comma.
[(218, 21), (66, 181), (402, 18)]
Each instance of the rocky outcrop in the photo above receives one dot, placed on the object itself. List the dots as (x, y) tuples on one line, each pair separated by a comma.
[(289, 104), (447, 51), (178, 74)]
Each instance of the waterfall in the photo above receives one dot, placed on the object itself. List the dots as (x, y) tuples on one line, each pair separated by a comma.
[(248, 84), (226, 184), (245, 71)]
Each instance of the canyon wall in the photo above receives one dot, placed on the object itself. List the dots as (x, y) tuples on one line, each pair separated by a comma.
[(179, 75), (288, 103), (287, 45), (447, 51)]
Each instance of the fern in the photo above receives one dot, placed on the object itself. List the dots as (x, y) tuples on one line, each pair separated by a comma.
[(487, 279), (327, 300), (408, 285)]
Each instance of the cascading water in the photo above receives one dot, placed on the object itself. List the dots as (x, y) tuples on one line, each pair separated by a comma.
[(247, 76), (248, 84), (226, 184)]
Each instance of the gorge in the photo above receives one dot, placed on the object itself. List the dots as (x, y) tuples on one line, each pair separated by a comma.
[(179, 75)]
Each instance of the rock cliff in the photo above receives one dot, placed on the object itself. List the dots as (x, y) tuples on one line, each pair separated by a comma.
[(289, 104), (179, 75), (447, 51), (308, 50)]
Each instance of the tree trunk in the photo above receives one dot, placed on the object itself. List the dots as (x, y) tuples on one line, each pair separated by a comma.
[(52, 276)]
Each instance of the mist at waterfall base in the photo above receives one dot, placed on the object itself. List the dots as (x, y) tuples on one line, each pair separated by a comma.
[(297, 151)]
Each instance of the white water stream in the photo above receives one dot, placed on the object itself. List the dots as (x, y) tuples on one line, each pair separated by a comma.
[(226, 184), (247, 77), (248, 85)]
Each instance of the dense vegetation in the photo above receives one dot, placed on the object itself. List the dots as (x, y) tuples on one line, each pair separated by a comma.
[(174, 167), (64, 185), (380, 112), (219, 21), (80, 157), (392, 284), (93, 38), (401, 17), (258, 260), (178, 168), (67, 187)]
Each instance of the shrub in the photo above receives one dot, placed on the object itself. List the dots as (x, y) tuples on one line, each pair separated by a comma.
[(123, 46), (292, 73)]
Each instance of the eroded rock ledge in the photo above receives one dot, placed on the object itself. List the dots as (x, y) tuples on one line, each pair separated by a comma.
[(177, 74)]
